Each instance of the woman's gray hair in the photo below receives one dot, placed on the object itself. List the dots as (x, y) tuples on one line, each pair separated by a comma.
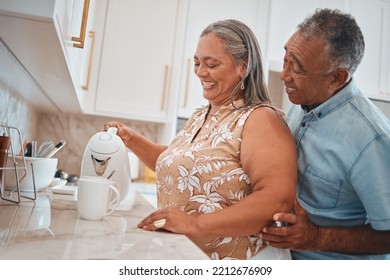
[(242, 44), (341, 34)]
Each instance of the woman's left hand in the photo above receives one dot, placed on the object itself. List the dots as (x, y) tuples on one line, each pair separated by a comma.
[(171, 219)]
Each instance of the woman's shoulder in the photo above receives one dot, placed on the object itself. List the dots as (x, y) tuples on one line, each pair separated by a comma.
[(266, 115), (270, 111)]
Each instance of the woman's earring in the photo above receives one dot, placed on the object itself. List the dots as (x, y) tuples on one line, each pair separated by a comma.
[(242, 86)]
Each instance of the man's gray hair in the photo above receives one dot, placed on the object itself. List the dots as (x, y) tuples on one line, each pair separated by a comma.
[(341, 34)]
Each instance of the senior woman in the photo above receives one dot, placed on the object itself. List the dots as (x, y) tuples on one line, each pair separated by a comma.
[(233, 165)]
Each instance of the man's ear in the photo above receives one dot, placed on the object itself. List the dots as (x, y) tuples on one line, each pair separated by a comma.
[(339, 78)]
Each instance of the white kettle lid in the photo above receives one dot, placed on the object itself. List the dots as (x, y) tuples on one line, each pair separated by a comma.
[(105, 143)]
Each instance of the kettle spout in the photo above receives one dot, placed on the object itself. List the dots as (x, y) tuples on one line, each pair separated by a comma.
[(99, 165)]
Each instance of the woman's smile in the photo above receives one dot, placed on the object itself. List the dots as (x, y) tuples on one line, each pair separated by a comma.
[(208, 85)]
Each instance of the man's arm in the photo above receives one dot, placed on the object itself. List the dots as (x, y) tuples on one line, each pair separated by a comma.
[(302, 234)]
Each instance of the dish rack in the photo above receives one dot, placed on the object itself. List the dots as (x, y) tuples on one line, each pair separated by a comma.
[(20, 172)]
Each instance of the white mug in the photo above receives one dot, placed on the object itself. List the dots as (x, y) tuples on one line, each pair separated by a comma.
[(94, 197)]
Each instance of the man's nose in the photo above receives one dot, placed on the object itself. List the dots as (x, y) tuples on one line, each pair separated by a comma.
[(285, 75)]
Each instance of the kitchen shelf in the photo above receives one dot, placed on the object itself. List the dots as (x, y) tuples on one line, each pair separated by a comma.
[(10, 131)]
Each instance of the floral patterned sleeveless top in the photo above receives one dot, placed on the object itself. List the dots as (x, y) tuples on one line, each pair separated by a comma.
[(201, 172)]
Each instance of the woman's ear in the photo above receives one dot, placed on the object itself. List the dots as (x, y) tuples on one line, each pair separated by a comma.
[(243, 70)]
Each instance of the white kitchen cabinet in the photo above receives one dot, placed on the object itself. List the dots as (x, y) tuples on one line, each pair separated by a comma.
[(74, 18), (200, 14), (136, 59), (37, 33), (373, 74), (89, 68)]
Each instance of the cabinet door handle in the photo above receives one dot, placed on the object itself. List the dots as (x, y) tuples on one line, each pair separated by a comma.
[(164, 93), (187, 83), (80, 40), (92, 36)]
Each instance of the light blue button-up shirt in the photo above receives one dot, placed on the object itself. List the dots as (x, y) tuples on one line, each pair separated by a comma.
[(343, 148)]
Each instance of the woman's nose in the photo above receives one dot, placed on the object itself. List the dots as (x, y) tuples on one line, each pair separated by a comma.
[(200, 71)]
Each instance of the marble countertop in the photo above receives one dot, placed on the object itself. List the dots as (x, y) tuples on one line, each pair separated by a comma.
[(49, 228)]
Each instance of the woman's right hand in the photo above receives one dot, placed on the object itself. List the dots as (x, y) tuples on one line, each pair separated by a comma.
[(147, 151), (124, 132)]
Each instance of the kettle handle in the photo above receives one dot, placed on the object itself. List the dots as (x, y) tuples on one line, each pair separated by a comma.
[(112, 130)]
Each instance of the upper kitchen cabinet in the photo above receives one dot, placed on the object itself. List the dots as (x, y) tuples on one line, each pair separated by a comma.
[(200, 14), (136, 60), (373, 74), (76, 25), (39, 36)]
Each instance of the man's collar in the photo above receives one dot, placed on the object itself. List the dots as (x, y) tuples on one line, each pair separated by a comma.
[(344, 93)]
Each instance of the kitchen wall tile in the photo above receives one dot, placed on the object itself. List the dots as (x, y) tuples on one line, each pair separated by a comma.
[(16, 112)]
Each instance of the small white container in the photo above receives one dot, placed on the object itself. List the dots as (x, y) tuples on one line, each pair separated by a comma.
[(44, 171), (58, 182)]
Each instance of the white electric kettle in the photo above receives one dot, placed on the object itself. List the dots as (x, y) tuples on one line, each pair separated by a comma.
[(105, 155)]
